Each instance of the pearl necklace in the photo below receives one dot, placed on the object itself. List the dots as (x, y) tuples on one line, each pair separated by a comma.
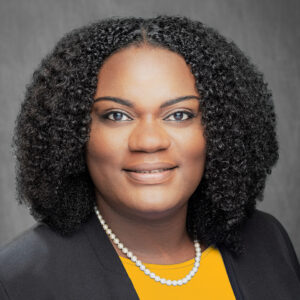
[(141, 266)]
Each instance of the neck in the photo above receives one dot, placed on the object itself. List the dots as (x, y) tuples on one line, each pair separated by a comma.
[(159, 240)]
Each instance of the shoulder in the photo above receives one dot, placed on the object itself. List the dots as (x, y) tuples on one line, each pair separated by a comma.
[(40, 257), (25, 257), (30, 250), (42, 264), (263, 228), (265, 236), (263, 224)]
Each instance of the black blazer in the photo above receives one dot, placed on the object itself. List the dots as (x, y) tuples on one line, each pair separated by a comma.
[(40, 264)]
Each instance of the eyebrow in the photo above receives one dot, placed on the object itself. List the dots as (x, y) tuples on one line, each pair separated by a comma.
[(130, 104)]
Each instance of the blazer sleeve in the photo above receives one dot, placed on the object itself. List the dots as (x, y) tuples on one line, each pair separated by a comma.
[(3, 293), (290, 249), (268, 268)]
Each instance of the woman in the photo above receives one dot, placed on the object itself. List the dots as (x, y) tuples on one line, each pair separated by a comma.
[(142, 147)]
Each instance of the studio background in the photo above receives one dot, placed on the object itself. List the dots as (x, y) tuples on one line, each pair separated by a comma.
[(266, 30)]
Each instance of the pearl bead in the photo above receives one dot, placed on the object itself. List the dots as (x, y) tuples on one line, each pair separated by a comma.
[(125, 250), (157, 278), (134, 258), (152, 275), (147, 272), (142, 267), (163, 280), (138, 263), (169, 282)]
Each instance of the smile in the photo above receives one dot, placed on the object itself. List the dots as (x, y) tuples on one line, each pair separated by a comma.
[(150, 177), (151, 171)]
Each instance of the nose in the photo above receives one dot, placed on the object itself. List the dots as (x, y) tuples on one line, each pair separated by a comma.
[(148, 136)]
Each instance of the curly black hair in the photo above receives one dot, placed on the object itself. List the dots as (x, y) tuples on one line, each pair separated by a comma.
[(238, 116)]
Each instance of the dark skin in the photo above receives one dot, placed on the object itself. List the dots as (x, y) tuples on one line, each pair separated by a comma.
[(149, 217)]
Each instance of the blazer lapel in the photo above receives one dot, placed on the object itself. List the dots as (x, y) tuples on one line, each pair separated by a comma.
[(116, 276)]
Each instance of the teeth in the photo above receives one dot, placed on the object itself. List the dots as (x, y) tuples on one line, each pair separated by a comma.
[(152, 171)]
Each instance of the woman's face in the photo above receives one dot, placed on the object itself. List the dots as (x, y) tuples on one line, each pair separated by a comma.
[(142, 131)]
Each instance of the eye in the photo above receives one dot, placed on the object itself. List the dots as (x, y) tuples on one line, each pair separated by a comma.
[(116, 116), (178, 115)]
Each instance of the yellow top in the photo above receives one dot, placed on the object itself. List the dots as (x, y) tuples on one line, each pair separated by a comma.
[(210, 282)]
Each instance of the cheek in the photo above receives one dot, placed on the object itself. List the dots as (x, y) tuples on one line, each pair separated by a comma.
[(193, 153), (104, 148)]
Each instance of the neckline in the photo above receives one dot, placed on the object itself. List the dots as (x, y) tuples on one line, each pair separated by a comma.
[(168, 266)]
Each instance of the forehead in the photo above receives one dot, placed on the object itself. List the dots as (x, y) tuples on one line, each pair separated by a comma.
[(145, 75)]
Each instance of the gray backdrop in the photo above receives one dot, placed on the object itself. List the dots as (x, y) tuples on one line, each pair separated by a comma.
[(266, 30)]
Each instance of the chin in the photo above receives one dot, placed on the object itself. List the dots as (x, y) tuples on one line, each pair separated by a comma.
[(154, 211)]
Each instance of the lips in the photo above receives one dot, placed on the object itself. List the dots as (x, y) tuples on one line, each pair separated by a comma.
[(154, 173), (144, 167), (150, 171)]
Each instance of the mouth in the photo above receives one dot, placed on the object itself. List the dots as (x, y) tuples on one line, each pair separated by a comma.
[(155, 176), (150, 171)]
